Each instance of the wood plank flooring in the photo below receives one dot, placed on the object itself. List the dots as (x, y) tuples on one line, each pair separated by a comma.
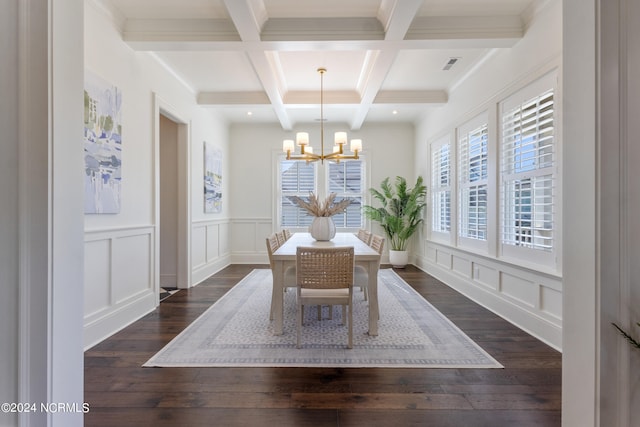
[(122, 393)]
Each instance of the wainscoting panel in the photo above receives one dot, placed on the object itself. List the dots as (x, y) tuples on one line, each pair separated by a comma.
[(527, 298), (198, 247), (209, 248), (119, 280), (551, 302), (461, 266), (97, 277), (248, 242), (486, 276), (132, 261), (519, 289)]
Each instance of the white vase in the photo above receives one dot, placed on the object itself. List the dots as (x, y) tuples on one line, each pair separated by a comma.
[(398, 259), (322, 228)]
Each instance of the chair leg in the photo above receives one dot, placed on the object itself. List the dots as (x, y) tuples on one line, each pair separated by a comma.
[(344, 314), (350, 345), (299, 322)]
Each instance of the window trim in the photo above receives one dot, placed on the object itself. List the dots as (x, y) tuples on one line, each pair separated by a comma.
[(363, 193), (439, 235), (522, 254), (480, 120), (321, 188)]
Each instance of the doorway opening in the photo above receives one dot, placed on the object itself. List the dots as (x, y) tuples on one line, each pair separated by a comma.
[(172, 202)]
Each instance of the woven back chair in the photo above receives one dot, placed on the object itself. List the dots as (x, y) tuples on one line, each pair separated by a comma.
[(280, 237), (287, 233), (289, 273), (272, 246), (364, 235), (361, 277), (325, 276)]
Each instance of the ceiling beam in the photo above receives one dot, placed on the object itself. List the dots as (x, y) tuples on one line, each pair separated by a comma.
[(248, 23), (401, 14), (424, 33), (330, 97)]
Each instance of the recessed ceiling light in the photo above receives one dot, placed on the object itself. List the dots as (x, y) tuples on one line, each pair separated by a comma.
[(394, 112), (249, 113)]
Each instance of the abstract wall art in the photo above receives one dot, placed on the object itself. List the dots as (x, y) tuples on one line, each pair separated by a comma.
[(212, 179), (102, 145)]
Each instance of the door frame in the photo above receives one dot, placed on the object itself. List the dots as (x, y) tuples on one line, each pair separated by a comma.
[(161, 107)]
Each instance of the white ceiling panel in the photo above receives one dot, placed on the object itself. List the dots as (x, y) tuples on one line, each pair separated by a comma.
[(214, 71), (299, 69), (322, 9), (473, 7), (262, 55), (423, 69), (171, 9)]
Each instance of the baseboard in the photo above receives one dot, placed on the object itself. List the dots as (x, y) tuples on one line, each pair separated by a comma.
[(201, 272), (527, 320), (118, 318)]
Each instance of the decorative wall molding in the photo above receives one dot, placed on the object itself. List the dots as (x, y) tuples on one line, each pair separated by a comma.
[(210, 248), (529, 299), (114, 300)]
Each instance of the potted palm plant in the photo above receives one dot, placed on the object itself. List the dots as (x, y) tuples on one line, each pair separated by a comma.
[(399, 216)]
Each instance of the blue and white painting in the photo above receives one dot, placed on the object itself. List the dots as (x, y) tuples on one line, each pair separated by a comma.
[(102, 145), (212, 179)]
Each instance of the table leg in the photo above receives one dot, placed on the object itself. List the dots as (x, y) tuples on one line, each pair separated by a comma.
[(277, 297), (372, 285)]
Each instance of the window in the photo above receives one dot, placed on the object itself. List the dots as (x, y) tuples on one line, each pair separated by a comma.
[(298, 178), (346, 179), (528, 172), (473, 179), (441, 187)]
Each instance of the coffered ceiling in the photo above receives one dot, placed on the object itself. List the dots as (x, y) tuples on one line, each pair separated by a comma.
[(256, 60)]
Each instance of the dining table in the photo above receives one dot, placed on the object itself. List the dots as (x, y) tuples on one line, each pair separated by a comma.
[(285, 257)]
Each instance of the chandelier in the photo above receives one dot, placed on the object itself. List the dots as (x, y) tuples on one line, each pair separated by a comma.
[(306, 151)]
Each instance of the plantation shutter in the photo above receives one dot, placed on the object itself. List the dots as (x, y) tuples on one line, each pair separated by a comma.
[(346, 179), (296, 179), (528, 178), (441, 188), (472, 182)]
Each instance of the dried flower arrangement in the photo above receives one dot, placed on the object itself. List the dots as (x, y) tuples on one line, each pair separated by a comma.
[(316, 208)]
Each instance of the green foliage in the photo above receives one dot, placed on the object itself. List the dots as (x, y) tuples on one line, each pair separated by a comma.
[(401, 210), (628, 337)]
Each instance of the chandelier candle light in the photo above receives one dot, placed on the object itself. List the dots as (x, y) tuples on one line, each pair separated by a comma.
[(306, 151)]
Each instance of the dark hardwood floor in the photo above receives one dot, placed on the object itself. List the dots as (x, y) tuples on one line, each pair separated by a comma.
[(527, 392)]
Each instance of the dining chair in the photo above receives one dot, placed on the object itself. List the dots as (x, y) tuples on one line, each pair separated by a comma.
[(289, 273), (287, 233), (280, 237), (364, 235), (361, 276), (325, 276)]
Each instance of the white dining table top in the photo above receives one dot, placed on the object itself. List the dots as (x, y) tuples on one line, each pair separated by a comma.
[(362, 251)]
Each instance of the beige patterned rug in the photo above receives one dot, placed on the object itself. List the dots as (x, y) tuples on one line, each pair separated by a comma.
[(236, 331)]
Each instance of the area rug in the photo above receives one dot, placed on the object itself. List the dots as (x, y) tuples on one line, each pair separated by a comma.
[(236, 331)]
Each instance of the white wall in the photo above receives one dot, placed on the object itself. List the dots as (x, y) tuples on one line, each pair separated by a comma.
[(601, 260), (528, 296), (40, 241), (389, 148), (121, 268), (9, 222)]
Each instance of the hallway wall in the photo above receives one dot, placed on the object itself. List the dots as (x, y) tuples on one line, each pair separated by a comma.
[(527, 294), (121, 250)]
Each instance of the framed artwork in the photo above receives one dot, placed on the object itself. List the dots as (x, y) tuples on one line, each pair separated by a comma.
[(212, 178), (102, 145)]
